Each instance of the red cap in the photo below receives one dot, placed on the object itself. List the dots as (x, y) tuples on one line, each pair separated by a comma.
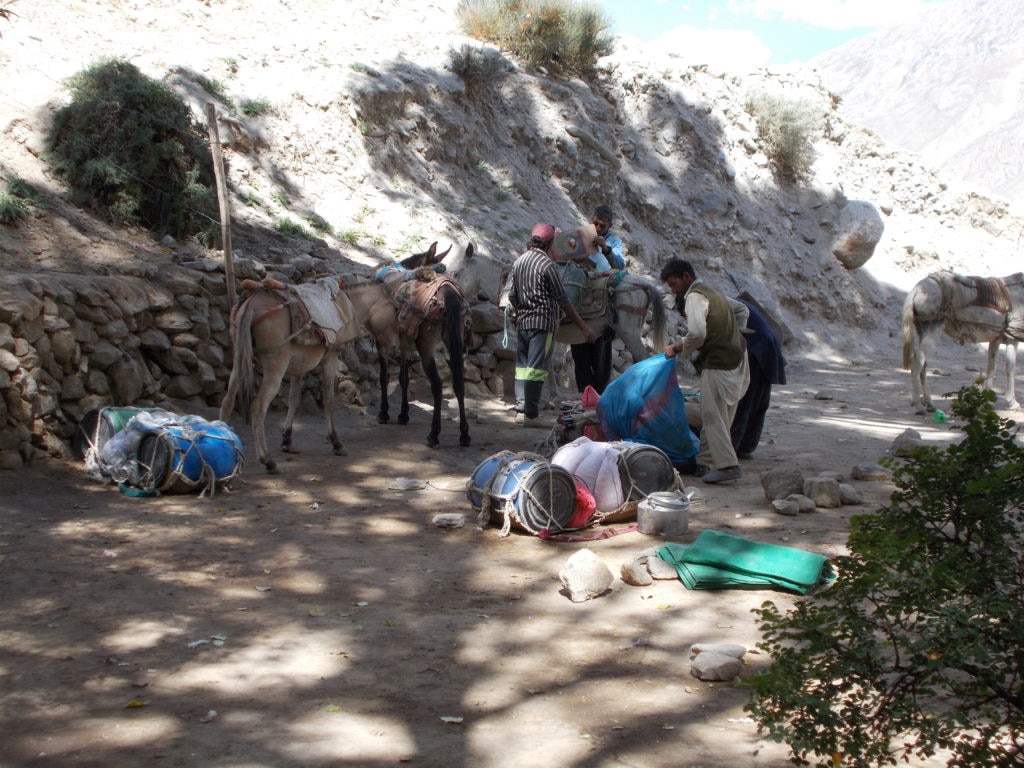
[(543, 232)]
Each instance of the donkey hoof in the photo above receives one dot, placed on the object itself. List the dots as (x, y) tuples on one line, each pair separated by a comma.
[(403, 419), (272, 468), (339, 450), (432, 441), (464, 440), (383, 419)]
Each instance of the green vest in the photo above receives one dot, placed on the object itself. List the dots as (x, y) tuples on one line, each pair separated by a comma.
[(723, 347)]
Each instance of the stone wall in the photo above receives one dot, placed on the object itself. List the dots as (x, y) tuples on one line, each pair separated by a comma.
[(148, 336)]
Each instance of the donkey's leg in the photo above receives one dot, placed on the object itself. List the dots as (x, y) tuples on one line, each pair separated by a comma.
[(430, 368), (1011, 372), (383, 415), (294, 397), (403, 384), (268, 389), (929, 332), (330, 382), (459, 385), (227, 405)]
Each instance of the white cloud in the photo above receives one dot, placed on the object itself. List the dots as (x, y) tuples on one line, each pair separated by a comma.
[(727, 49), (832, 14)]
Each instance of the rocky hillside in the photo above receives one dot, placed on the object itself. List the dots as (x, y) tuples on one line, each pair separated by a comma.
[(948, 84), (370, 131)]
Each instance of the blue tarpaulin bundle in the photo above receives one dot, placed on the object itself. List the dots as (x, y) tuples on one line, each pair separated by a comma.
[(645, 405)]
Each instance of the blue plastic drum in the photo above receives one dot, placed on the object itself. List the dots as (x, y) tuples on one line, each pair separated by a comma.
[(533, 493), (180, 458)]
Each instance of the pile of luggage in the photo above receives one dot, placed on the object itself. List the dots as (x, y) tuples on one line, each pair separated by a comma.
[(149, 451)]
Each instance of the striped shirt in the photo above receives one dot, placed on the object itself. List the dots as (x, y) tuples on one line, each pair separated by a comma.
[(539, 292)]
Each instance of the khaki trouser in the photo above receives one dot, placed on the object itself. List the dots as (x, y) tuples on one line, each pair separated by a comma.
[(720, 393)]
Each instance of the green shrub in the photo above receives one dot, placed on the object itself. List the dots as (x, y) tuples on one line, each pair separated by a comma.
[(787, 129), (15, 200), (127, 148), (565, 36), (919, 646), (292, 229), (12, 209), (257, 107)]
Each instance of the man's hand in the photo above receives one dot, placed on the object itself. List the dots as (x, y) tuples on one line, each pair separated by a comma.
[(670, 350)]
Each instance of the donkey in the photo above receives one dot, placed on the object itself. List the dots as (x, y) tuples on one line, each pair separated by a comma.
[(970, 310), (410, 313), (287, 332)]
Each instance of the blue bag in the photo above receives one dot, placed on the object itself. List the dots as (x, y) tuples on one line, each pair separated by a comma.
[(645, 405)]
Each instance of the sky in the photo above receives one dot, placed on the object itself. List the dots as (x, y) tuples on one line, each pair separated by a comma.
[(747, 34)]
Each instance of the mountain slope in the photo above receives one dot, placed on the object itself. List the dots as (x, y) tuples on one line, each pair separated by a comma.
[(371, 132), (948, 84)]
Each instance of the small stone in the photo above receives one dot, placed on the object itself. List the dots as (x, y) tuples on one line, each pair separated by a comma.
[(712, 666), (785, 507), (449, 520), (850, 495), (585, 576), (636, 574), (907, 441), (658, 568), (823, 491), (869, 472), (729, 649), (803, 503)]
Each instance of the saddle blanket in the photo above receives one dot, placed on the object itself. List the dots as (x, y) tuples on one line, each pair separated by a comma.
[(318, 297)]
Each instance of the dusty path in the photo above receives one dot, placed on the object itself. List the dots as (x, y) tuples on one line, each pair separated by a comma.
[(319, 619)]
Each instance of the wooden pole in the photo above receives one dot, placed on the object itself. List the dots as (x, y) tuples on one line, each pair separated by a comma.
[(222, 198)]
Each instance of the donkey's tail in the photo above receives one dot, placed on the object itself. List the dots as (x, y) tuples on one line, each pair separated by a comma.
[(910, 335), (658, 317), (242, 383), (455, 333)]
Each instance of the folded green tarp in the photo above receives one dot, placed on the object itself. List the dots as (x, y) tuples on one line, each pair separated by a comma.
[(719, 560)]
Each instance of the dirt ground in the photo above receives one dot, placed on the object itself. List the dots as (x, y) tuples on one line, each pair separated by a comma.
[(317, 618)]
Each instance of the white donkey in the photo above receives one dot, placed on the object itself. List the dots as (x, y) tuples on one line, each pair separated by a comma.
[(970, 310)]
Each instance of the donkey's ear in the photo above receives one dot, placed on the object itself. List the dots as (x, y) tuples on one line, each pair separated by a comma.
[(442, 254), (470, 250)]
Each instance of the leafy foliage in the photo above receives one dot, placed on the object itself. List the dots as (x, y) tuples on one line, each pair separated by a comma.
[(257, 107), (788, 129), (919, 646), (15, 200), (127, 148), (565, 36)]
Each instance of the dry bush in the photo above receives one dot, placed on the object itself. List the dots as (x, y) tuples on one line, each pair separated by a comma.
[(787, 128), (563, 36)]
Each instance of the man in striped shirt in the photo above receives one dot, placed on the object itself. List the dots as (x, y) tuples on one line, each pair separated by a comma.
[(537, 294)]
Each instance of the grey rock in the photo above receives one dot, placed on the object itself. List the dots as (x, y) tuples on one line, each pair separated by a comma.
[(635, 574), (780, 483), (823, 491), (803, 503), (585, 576), (850, 495), (711, 666), (785, 507), (869, 472), (907, 441)]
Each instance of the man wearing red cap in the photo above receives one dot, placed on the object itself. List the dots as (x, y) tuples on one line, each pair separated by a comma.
[(537, 294)]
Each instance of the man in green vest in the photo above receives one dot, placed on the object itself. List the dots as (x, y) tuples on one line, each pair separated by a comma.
[(715, 344)]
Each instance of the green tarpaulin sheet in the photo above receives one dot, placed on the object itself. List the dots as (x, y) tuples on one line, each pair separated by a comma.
[(718, 560)]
